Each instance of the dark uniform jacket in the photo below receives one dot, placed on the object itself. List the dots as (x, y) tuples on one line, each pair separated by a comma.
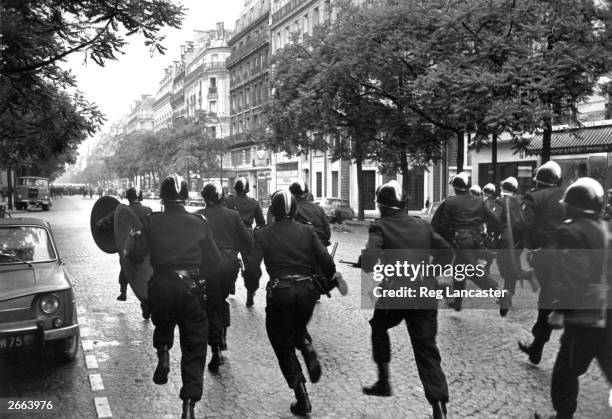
[(248, 208), (176, 239), (310, 213), (227, 227), (289, 248), (578, 268), (541, 214), (397, 230), (503, 204), (463, 212)]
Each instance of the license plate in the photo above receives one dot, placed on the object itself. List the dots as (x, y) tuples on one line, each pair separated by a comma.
[(14, 342)]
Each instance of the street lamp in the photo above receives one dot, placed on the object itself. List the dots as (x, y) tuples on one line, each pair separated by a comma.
[(214, 115)]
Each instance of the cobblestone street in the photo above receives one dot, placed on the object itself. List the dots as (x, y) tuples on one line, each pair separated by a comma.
[(488, 377)]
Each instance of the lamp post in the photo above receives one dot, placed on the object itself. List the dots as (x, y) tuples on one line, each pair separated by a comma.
[(214, 115)]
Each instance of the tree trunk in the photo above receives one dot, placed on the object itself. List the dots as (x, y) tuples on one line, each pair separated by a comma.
[(460, 147), (405, 178), (494, 159), (9, 180), (359, 167), (546, 137)]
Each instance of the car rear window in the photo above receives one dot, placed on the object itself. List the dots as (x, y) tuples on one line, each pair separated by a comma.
[(29, 243)]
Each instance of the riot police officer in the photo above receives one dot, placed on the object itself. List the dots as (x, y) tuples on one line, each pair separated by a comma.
[(509, 244), (475, 190), (310, 213), (288, 250), (458, 220), (397, 230), (134, 197), (182, 254), (488, 193), (231, 237), (250, 211), (541, 214), (581, 289)]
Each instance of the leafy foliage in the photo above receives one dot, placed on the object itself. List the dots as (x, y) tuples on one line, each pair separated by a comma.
[(42, 116)]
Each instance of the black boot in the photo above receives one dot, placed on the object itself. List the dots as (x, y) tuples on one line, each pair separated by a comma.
[(382, 387), (216, 360), (302, 404), (439, 410), (123, 292), (250, 297), (188, 406), (505, 303), (533, 351), (160, 376), (312, 363)]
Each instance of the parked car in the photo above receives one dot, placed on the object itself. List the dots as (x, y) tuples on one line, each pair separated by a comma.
[(37, 302), (336, 209)]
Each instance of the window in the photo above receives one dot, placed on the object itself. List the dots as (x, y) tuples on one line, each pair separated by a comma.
[(315, 16), (213, 132), (212, 106), (319, 188), (306, 28), (334, 183)]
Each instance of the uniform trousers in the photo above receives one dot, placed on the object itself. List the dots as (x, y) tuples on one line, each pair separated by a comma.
[(579, 345), (468, 248), (173, 305), (509, 263), (422, 327), (218, 289), (289, 307), (542, 267)]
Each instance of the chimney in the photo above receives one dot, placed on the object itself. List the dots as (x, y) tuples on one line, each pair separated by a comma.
[(220, 31)]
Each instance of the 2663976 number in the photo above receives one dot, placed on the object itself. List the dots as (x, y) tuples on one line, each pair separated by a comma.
[(9, 405)]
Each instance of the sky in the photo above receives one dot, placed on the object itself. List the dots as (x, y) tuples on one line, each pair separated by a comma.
[(118, 84)]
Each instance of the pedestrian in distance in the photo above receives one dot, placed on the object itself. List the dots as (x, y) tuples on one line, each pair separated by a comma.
[(581, 292), (289, 250), (231, 237), (397, 230), (459, 220), (250, 212), (134, 197), (183, 255), (476, 191), (541, 214)]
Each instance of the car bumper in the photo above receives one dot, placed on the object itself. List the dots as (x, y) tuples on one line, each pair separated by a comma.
[(40, 334)]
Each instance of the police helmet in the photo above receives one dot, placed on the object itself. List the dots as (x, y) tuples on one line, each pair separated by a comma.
[(489, 189), (173, 189), (585, 195), (475, 190), (549, 174), (283, 205), (509, 185), (298, 188), (390, 195), (241, 186), (133, 194), (212, 193), (461, 181)]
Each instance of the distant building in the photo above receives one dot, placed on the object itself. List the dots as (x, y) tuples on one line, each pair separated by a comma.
[(248, 65), (141, 117)]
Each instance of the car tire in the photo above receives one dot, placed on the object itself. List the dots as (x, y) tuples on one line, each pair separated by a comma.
[(66, 349), (45, 207)]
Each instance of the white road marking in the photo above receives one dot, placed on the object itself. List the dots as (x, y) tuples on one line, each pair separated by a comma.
[(87, 345), (91, 361), (96, 382), (85, 331), (102, 407)]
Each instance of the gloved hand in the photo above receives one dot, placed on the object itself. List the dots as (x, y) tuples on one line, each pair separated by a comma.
[(556, 320), (340, 283)]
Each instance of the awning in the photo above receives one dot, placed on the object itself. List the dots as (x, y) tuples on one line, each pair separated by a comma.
[(575, 141)]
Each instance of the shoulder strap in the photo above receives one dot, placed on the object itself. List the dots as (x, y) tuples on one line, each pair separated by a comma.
[(604, 269)]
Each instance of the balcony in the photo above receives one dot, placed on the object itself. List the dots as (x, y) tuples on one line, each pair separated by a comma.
[(287, 9), (248, 46)]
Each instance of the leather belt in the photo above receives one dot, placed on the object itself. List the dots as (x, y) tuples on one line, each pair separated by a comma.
[(294, 278)]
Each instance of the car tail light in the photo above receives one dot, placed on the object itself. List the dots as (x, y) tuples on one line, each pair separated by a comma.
[(49, 303)]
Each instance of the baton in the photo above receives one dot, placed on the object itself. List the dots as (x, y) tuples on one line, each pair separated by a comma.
[(352, 264), (334, 247)]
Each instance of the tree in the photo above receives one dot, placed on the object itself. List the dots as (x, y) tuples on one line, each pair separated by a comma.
[(35, 92)]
